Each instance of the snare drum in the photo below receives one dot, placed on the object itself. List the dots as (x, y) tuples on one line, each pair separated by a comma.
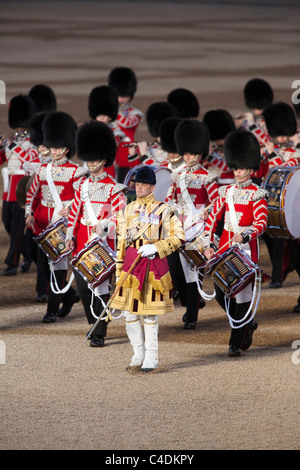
[(52, 240), (163, 182), (95, 262), (232, 270), (283, 185), (193, 251)]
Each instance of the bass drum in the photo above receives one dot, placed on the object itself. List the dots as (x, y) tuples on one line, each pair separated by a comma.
[(163, 182), (283, 186)]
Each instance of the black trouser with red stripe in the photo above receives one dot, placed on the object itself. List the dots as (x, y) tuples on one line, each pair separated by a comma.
[(54, 300), (13, 217), (86, 297), (239, 337)]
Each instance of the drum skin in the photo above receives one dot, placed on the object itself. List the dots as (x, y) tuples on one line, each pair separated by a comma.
[(52, 241), (95, 263), (283, 186)]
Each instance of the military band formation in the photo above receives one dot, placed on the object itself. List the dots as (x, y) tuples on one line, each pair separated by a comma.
[(137, 225)]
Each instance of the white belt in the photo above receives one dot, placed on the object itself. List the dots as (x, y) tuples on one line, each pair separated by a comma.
[(85, 222), (47, 204), (16, 172), (229, 228)]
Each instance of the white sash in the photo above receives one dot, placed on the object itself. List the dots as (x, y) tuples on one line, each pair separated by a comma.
[(232, 213), (63, 264), (54, 193), (5, 175), (190, 227), (86, 199)]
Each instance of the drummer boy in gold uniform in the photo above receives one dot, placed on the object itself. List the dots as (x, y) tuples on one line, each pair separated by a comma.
[(152, 230)]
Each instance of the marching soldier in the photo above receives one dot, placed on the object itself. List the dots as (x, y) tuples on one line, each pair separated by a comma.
[(15, 151), (219, 123), (185, 102), (175, 163), (123, 81), (103, 106), (32, 168), (283, 150), (258, 94), (98, 198), (152, 153), (53, 188), (149, 229), (44, 98), (245, 211), (192, 189)]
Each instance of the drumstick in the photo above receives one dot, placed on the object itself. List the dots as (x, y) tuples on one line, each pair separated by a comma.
[(229, 241), (94, 232), (202, 212), (69, 203)]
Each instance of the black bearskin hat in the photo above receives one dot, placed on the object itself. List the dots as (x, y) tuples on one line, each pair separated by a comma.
[(59, 130), (123, 81), (146, 175), (103, 100), (96, 141), (35, 129), (258, 94), (44, 98), (185, 103), (156, 113), (280, 119), (166, 133), (192, 136), (242, 151), (219, 123), (21, 109)]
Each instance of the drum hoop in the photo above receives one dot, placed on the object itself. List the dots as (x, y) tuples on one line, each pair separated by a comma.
[(222, 258), (42, 238), (107, 271)]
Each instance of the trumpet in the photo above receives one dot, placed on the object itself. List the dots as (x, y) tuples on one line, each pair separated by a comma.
[(136, 144)]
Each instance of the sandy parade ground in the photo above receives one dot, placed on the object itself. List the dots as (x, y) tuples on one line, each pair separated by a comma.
[(57, 393)]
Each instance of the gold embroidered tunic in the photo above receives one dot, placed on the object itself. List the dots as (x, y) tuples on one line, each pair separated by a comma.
[(148, 289)]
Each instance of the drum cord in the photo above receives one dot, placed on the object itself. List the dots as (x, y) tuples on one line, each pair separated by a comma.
[(257, 281), (109, 315), (56, 289)]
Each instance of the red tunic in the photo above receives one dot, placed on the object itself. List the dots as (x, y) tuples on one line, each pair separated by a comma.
[(106, 197), (201, 185), (216, 163), (16, 154), (64, 174), (251, 210), (128, 121)]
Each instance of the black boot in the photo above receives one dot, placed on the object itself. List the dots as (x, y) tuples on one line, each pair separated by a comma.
[(194, 302), (97, 341), (49, 317), (241, 337), (67, 305)]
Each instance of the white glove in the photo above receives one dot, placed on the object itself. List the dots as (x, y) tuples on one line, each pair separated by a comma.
[(148, 251)]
